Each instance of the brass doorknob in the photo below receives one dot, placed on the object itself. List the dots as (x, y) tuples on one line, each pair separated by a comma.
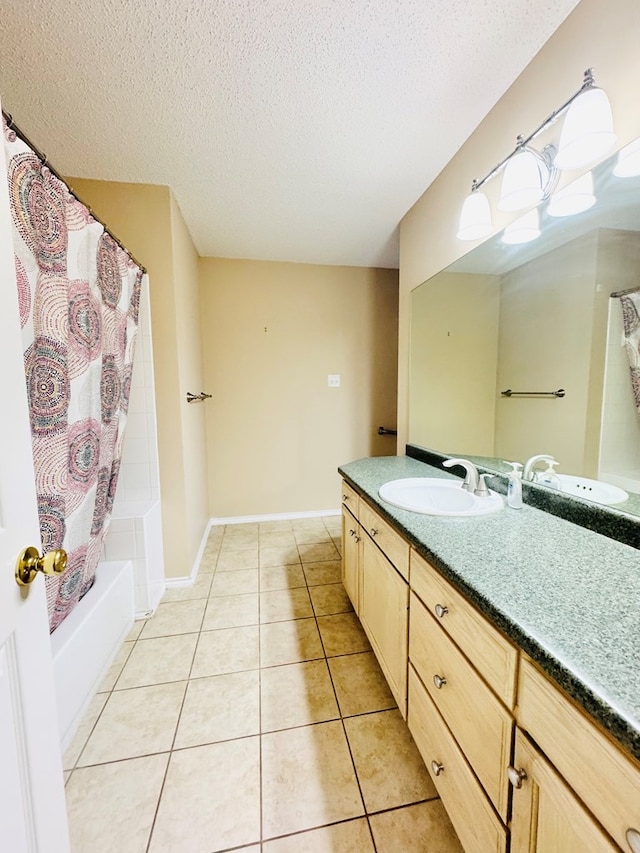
[(30, 563)]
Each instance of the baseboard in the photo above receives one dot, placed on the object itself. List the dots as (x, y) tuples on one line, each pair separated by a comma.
[(279, 516)]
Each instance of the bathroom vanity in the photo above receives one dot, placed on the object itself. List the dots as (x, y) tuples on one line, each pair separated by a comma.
[(511, 643)]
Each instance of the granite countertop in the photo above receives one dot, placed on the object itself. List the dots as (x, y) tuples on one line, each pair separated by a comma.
[(569, 597)]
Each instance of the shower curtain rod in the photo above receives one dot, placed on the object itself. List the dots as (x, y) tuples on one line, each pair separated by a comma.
[(620, 293), (43, 159)]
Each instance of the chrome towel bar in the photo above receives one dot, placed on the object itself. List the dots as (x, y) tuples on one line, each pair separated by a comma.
[(509, 393), (197, 398)]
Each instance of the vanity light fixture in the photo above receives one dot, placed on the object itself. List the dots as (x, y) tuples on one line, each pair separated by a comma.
[(530, 176), (523, 230), (574, 198), (628, 165)]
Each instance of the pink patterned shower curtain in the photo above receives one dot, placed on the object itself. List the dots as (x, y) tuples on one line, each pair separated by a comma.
[(79, 295), (630, 303)]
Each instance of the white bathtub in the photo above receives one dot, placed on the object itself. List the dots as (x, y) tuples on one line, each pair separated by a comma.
[(85, 644)]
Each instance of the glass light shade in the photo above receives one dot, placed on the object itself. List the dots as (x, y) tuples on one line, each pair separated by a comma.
[(523, 182), (574, 198), (587, 133), (475, 217), (628, 164), (523, 230)]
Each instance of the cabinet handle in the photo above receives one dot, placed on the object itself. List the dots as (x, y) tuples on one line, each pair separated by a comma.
[(352, 532), (441, 610), (439, 681), (633, 840), (373, 531), (357, 538), (345, 497), (437, 768), (516, 777)]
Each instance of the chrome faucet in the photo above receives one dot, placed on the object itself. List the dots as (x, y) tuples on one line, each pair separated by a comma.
[(471, 477), (529, 473)]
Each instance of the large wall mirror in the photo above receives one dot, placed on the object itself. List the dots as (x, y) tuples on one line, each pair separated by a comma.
[(535, 317)]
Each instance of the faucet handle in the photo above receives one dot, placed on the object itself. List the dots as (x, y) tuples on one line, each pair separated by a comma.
[(483, 491)]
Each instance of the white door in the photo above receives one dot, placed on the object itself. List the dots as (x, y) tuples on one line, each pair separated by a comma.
[(32, 806)]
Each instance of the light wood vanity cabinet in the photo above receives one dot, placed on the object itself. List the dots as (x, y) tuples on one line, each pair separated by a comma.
[(518, 765), (375, 565)]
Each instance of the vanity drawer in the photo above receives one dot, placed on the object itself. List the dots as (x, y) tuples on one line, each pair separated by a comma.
[(493, 656), (476, 717), (390, 543), (350, 497), (605, 779), (473, 818)]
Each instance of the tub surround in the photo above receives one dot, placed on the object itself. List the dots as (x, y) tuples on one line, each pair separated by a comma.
[(568, 596)]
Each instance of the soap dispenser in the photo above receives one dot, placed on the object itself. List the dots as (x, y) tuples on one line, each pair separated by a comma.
[(514, 489), (549, 478)]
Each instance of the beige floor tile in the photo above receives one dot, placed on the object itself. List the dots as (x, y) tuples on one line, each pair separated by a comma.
[(390, 769), (231, 611), (281, 524), (324, 571), (423, 828), (226, 650), (350, 837), (307, 524), (66, 775), (289, 642), (281, 577), (277, 539), (318, 553), (360, 685), (296, 695), (211, 799), (239, 582), (208, 564), (328, 599), (136, 628), (231, 561), (282, 556), (135, 722), (199, 589), (220, 708), (342, 634), (333, 523), (316, 536), (116, 667), (284, 604), (234, 546), (158, 661), (307, 779), (175, 617), (112, 806), (90, 718)]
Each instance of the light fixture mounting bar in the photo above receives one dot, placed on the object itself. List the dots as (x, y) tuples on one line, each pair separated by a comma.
[(587, 83)]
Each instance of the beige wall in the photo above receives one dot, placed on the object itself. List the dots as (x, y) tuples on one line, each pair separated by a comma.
[(598, 35), (454, 347), (272, 332), (149, 223)]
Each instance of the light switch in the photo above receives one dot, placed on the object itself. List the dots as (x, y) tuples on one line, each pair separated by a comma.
[(333, 380)]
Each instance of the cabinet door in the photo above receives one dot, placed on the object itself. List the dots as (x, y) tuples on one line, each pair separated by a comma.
[(547, 816), (384, 604), (351, 557)]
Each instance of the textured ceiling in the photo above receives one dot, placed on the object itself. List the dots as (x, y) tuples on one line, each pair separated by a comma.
[(298, 130)]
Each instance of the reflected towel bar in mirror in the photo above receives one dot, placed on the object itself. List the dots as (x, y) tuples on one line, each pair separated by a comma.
[(509, 393)]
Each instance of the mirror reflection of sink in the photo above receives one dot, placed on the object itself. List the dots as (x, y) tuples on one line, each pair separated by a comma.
[(433, 496), (591, 490)]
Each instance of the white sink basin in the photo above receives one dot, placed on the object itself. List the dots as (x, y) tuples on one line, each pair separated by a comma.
[(591, 490), (432, 496)]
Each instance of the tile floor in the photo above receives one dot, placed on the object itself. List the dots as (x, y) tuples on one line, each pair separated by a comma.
[(249, 713)]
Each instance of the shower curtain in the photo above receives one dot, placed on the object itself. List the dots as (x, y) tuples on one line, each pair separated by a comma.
[(79, 296), (630, 303)]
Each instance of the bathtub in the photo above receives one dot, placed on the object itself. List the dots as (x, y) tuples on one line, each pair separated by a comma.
[(86, 643)]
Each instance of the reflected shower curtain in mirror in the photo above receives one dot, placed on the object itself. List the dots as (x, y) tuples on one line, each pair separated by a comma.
[(630, 303), (78, 295)]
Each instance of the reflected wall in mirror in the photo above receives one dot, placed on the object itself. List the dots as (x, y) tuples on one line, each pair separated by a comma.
[(535, 317)]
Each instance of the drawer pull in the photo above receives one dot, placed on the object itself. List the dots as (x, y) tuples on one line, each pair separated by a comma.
[(357, 538), (373, 531), (437, 768), (441, 610), (439, 681), (633, 840), (352, 532), (516, 777), (345, 497)]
